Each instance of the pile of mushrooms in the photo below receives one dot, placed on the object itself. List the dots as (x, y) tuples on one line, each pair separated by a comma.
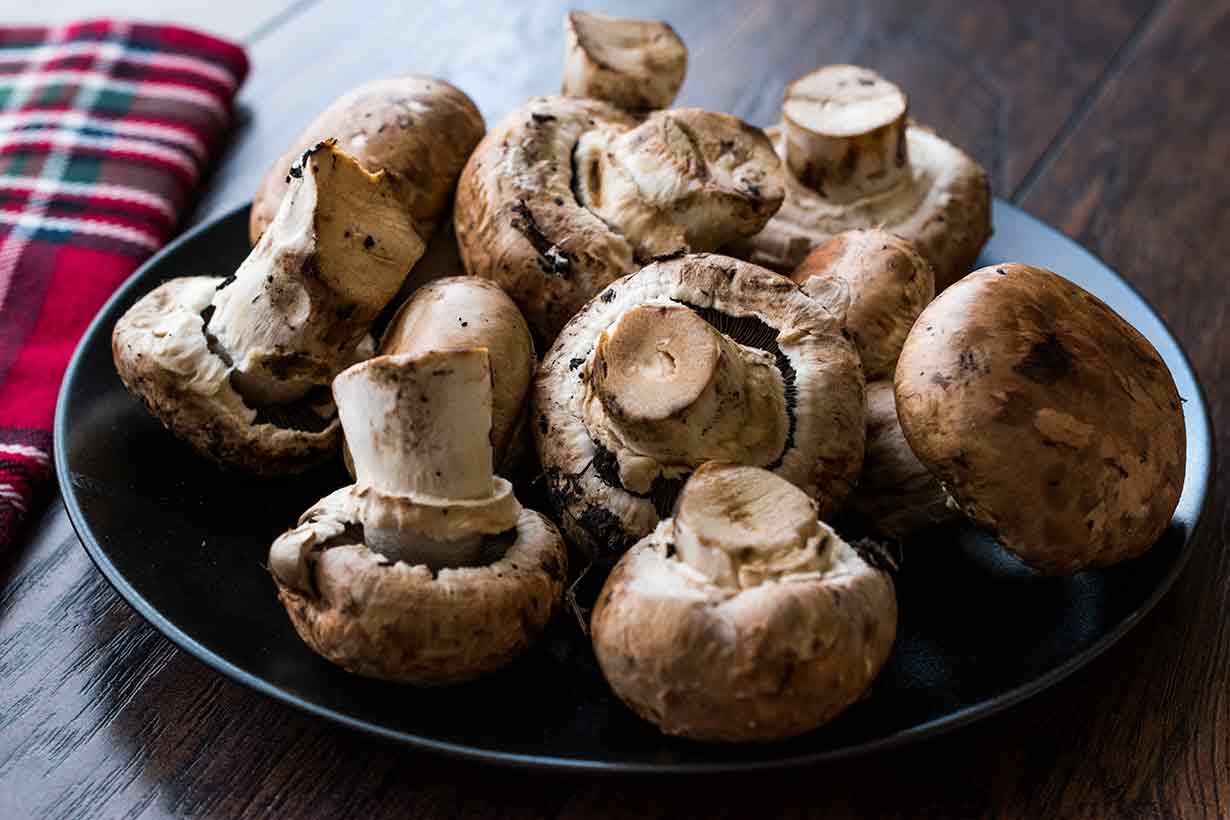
[(704, 427)]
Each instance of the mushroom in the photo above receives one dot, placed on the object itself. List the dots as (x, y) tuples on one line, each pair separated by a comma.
[(636, 65), (887, 284), (417, 128), (854, 160), (240, 367), (567, 194), (461, 312), (1049, 419), (691, 359), (743, 617), (426, 569), (896, 495)]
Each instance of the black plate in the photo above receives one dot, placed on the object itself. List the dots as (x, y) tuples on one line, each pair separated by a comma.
[(185, 544)]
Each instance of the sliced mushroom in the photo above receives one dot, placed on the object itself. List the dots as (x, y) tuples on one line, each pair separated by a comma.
[(853, 160), (886, 282), (240, 367), (636, 65), (462, 312), (426, 569), (1051, 421), (691, 359), (743, 617), (417, 128), (566, 195), (896, 495)]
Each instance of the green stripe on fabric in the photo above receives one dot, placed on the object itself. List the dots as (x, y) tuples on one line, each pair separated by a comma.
[(113, 102), (83, 168)]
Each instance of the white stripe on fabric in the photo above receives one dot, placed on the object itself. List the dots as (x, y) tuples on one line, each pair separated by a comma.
[(99, 190), (35, 222), (82, 120), (173, 62), (18, 500), (71, 139), (144, 88), (23, 450)]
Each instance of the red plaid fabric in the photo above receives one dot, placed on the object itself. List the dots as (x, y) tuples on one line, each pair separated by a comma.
[(105, 131)]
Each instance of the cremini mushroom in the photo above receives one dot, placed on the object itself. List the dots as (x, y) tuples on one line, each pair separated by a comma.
[(461, 312), (691, 359), (1049, 419), (854, 160), (417, 128), (742, 617), (568, 194), (886, 282), (240, 367), (426, 569), (636, 65)]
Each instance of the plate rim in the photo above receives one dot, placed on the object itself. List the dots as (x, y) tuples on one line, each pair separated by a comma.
[(949, 722)]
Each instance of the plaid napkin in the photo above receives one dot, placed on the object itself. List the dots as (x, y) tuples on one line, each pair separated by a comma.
[(105, 130)]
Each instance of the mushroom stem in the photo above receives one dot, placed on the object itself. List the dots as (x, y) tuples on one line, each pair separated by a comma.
[(673, 390), (419, 430), (300, 305), (634, 64), (845, 132)]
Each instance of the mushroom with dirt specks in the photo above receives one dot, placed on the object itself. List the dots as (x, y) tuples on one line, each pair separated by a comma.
[(854, 160), (240, 367), (692, 359), (636, 65), (566, 195), (742, 617), (426, 569), (1049, 419)]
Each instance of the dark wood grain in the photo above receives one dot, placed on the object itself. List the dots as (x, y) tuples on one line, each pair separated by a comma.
[(1107, 119)]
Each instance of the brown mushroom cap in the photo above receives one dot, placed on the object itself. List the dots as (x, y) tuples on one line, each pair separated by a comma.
[(1049, 419), (779, 652), (679, 180), (611, 474), (418, 128), (636, 65), (931, 193), (888, 284)]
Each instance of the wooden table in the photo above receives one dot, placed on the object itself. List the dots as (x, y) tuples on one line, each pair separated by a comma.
[(1107, 118)]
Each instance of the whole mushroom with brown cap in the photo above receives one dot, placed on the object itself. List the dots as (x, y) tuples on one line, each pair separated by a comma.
[(854, 160), (1050, 420), (742, 617), (566, 195), (636, 65), (418, 129), (240, 367), (427, 569), (461, 312), (692, 359)]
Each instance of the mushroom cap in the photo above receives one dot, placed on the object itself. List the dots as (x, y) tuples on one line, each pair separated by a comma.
[(1049, 419), (943, 207), (888, 283), (519, 219), (717, 662), (418, 128), (163, 357), (461, 312), (896, 495), (401, 622), (817, 363), (634, 64)]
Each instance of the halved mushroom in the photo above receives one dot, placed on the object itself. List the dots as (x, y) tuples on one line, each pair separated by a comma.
[(567, 194), (426, 569), (692, 359), (1050, 420), (636, 65), (742, 617), (887, 284), (461, 312), (417, 128), (240, 367), (853, 160)]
